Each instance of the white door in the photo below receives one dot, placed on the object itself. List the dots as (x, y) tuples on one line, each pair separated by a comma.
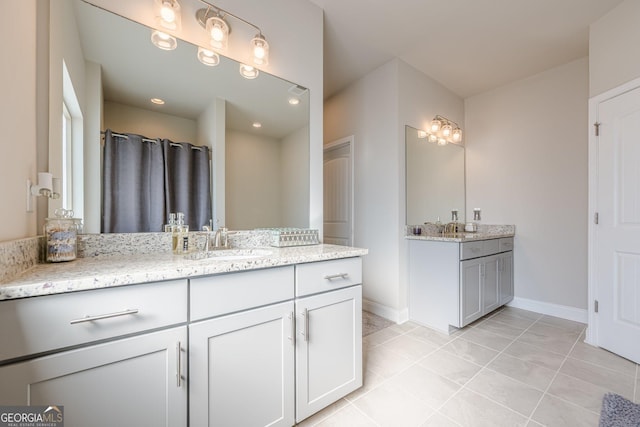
[(338, 192), (617, 235)]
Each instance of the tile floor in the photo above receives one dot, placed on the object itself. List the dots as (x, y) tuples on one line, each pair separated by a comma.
[(511, 368)]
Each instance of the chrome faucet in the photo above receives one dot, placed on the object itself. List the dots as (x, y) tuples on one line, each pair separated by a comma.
[(221, 239)]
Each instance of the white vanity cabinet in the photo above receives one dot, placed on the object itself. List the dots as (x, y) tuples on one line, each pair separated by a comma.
[(451, 284), (241, 349), (265, 347), (329, 333), (274, 346), (133, 380)]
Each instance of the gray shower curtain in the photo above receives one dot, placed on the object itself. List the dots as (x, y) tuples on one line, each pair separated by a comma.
[(144, 180)]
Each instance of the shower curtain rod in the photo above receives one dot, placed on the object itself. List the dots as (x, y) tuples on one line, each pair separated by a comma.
[(173, 144)]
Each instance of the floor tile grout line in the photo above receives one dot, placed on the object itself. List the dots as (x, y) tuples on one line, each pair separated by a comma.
[(546, 391), (485, 366), (464, 385)]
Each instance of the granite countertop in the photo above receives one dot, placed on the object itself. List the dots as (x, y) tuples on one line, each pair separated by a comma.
[(116, 270), (459, 237), (485, 232)]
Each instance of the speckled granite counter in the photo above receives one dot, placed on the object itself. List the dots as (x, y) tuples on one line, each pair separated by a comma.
[(485, 232), (106, 271)]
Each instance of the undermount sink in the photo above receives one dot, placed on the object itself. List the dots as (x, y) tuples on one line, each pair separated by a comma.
[(230, 254)]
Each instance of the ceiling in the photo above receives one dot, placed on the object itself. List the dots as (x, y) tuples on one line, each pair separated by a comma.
[(468, 46)]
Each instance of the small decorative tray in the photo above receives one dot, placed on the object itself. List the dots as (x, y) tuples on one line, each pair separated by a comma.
[(284, 237)]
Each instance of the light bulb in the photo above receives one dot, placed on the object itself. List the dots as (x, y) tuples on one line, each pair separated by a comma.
[(163, 40), (435, 125), (167, 13), (248, 72), (433, 138), (208, 57), (260, 50), (442, 141), (446, 130), (422, 134), (218, 30), (457, 135), (216, 33)]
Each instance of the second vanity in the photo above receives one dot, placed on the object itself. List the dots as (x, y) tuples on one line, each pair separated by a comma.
[(455, 280), (262, 341)]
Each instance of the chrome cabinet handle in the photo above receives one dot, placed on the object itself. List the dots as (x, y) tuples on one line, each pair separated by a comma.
[(292, 325), (305, 326), (178, 364), (336, 276), (104, 316)]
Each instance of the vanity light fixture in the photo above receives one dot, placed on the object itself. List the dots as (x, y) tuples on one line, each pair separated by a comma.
[(163, 40), (248, 72), (443, 131), (208, 57), (168, 14), (215, 21)]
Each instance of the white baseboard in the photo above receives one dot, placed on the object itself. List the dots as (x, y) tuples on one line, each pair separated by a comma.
[(550, 309), (398, 316)]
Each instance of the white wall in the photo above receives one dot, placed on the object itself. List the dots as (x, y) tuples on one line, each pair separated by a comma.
[(127, 119), (368, 110), (375, 109), (613, 48), (252, 179), (526, 153), (294, 178), (17, 117)]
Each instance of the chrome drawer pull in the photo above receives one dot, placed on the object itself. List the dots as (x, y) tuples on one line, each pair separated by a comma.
[(336, 276), (104, 316)]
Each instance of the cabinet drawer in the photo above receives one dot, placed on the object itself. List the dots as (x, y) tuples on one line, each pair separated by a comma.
[(325, 276), (479, 248), (506, 244), (39, 324), (227, 293)]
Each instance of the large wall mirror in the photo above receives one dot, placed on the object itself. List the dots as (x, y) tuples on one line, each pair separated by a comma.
[(434, 179), (107, 63)]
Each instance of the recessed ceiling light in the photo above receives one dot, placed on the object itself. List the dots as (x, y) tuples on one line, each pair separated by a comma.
[(257, 125), (157, 101), (294, 101)]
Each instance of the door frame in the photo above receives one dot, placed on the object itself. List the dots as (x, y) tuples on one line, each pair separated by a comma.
[(592, 285), (339, 143)]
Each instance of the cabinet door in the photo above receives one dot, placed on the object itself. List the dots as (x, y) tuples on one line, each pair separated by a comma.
[(506, 277), (138, 381), (328, 348), (490, 290), (242, 368), (470, 290)]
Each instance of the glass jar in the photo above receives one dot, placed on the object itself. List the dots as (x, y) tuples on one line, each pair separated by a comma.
[(61, 237)]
